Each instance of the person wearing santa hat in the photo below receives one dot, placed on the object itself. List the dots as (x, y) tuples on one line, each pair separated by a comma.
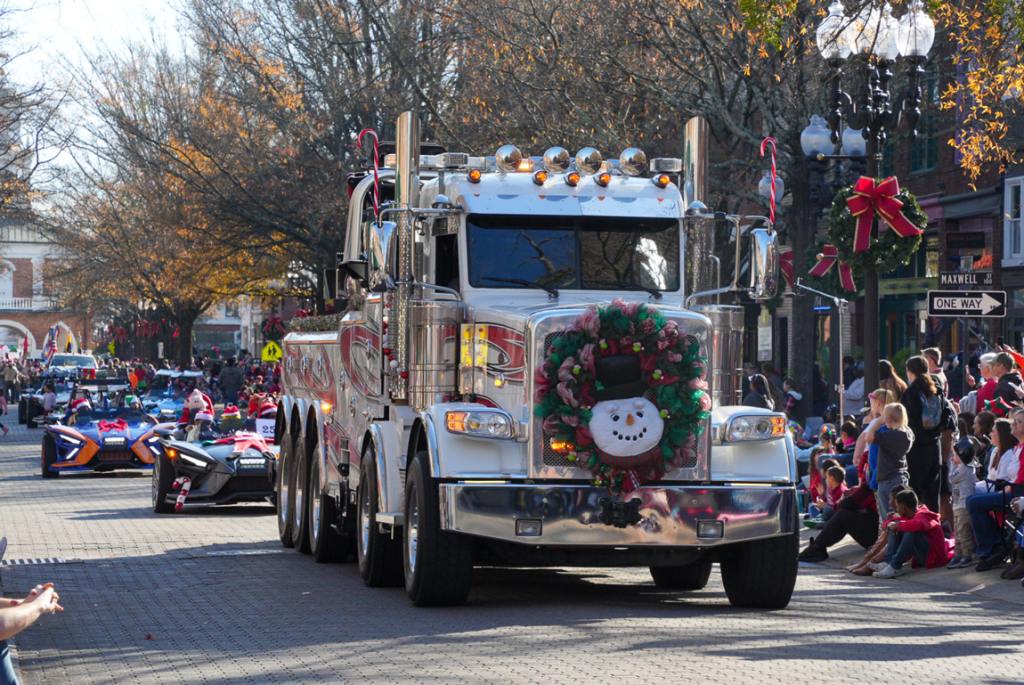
[(198, 407)]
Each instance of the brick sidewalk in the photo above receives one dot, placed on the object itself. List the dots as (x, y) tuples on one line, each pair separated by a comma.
[(210, 597)]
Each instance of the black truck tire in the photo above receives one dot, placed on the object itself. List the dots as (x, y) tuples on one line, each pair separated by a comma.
[(438, 565), (22, 404), (692, 576), (325, 543), (163, 478), (300, 489), (30, 415), (48, 457), (283, 487), (761, 574), (380, 557)]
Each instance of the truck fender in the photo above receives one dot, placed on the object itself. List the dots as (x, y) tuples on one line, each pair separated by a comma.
[(424, 434), (387, 450)]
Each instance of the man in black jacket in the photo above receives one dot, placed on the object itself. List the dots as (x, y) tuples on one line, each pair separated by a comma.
[(1008, 387)]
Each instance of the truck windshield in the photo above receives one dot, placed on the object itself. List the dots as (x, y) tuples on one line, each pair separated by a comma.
[(592, 253)]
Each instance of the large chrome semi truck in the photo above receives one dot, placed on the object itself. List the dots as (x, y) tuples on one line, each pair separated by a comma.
[(409, 428)]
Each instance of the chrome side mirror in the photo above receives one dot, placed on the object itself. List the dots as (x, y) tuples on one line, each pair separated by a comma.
[(764, 265), (383, 256)]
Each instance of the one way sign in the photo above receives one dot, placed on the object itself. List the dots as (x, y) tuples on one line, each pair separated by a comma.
[(980, 303)]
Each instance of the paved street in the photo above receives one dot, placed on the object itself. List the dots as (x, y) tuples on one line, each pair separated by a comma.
[(210, 597)]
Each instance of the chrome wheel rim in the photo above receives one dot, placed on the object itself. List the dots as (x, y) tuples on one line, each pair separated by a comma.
[(364, 520), (153, 488), (314, 501), (297, 500), (412, 534), (282, 493)]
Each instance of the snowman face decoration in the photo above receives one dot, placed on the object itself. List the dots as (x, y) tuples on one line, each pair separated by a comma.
[(626, 428)]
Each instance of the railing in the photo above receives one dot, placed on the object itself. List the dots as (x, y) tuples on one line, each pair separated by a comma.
[(26, 304)]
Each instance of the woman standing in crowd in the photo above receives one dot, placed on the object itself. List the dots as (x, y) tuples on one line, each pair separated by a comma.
[(889, 380), (926, 414), (759, 394)]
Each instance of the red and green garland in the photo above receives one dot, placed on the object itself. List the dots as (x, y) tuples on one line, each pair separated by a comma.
[(671, 370)]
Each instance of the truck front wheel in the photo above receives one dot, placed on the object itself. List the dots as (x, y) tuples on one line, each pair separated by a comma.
[(689, 577), (438, 564), (380, 557), (761, 574)]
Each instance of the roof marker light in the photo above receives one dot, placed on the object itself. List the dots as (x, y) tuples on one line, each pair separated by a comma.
[(572, 178), (633, 161), (603, 179), (474, 175), (662, 180), (507, 158), (588, 161), (540, 177), (556, 160)]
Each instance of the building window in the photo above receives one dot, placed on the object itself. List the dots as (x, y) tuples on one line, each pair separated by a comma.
[(931, 259), (6, 280), (1013, 244), (924, 152)]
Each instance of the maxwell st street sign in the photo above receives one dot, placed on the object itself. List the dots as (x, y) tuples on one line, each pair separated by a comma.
[(975, 303), (965, 279)]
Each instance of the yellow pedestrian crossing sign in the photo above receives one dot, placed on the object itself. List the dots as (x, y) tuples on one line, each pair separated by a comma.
[(272, 352)]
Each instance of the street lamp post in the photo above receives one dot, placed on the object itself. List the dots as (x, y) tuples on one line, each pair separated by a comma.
[(878, 39), (817, 146)]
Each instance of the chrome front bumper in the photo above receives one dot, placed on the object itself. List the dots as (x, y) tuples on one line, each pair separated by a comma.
[(569, 515)]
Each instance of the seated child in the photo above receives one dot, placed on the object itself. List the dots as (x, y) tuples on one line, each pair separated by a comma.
[(962, 479), (848, 437), (915, 536), (874, 558), (835, 488)]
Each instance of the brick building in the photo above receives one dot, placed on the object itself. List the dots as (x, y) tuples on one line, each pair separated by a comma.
[(27, 312)]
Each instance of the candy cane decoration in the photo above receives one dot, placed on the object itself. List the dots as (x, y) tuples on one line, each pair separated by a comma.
[(182, 484), (376, 166), (771, 201)]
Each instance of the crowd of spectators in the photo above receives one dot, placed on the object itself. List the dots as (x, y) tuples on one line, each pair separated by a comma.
[(922, 476)]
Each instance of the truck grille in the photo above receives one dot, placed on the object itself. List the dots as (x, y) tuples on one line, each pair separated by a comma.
[(553, 459)]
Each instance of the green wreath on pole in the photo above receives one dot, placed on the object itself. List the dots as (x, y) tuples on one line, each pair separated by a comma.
[(887, 251)]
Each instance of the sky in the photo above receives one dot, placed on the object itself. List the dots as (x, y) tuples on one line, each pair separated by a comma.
[(49, 31)]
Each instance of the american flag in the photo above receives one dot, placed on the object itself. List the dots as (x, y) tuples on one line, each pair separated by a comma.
[(51, 344)]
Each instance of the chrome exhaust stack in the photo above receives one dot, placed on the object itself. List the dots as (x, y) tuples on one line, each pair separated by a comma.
[(702, 271), (407, 153)]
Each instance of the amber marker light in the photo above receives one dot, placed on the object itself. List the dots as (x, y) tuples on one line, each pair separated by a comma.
[(662, 180), (572, 178), (540, 177), (474, 175), (603, 179), (560, 446)]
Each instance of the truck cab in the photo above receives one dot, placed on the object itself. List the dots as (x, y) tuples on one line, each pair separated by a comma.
[(418, 429)]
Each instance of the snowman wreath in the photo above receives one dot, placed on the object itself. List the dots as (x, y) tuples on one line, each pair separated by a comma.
[(623, 394)]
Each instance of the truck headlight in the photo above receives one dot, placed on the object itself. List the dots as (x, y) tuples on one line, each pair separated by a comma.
[(482, 423), (755, 427)]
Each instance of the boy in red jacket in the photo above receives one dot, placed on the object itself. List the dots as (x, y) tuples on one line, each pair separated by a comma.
[(916, 535)]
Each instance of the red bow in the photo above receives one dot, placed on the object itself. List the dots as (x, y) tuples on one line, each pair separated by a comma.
[(828, 258), (786, 266), (871, 197), (117, 425)]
